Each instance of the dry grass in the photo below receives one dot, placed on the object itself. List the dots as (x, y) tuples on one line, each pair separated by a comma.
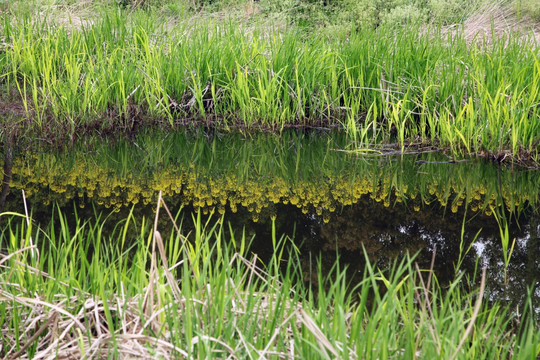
[(83, 326), (71, 17), (78, 327), (67, 330), (63, 333), (496, 21)]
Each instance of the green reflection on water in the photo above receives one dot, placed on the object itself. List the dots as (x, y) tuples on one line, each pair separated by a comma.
[(260, 172)]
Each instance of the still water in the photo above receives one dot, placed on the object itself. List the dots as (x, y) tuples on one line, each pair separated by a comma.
[(332, 202)]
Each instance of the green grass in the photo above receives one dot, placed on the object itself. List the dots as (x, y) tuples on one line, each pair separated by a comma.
[(127, 69), (82, 292)]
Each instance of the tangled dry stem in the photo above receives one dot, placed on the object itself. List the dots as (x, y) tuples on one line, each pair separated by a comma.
[(76, 327)]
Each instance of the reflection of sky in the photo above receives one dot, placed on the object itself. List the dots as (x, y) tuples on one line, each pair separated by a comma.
[(537, 295), (496, 289), (480, 247), (434, 240)]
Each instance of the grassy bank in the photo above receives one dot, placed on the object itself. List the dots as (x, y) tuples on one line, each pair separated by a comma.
[(128, 69), (85, 293)]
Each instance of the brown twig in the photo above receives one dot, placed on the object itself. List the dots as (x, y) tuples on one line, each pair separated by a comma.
[(43, 327), (475, 314)]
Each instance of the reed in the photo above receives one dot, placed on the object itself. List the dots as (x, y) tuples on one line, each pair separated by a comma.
[(86, 292), (381, 86)]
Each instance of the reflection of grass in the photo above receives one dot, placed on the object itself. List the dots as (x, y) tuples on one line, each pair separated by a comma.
[(261, 172), (91, 293), (507, 246), (117, 73)]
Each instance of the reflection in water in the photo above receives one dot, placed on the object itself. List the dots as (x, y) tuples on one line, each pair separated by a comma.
[(8, 165), (260, 174), (330, 201)]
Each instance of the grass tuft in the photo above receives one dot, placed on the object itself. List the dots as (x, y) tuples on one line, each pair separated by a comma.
[(127, 70), (91, 294)]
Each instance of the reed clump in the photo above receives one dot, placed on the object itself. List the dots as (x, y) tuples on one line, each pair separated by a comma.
[(84, 293), (127, 70)]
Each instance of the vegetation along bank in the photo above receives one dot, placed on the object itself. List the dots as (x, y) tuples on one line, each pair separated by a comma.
[(73, 70), (131, 250)]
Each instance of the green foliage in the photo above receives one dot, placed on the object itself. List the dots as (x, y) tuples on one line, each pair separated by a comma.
[(452, 11), (199, 296), (374, 81), (351, 14), (370, 14)]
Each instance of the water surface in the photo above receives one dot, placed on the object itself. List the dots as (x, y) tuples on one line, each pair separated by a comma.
[(331, 201)]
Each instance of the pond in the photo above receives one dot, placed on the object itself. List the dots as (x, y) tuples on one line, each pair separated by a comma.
[(332, 202)]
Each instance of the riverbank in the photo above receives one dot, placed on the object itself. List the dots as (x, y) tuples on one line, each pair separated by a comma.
[(128, 69)]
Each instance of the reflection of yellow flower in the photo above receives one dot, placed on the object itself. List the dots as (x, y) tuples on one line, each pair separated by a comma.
[(109, 188)]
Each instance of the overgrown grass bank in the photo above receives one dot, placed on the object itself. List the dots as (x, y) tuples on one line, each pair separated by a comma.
[(128, 69), (85, 294)]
